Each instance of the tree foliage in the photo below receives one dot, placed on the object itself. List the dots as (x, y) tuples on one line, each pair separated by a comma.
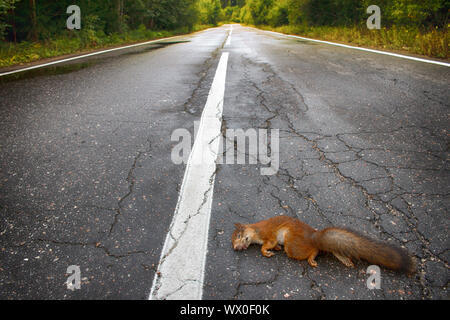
[(44, 19), (6, 7), (210, 11), (416, 13)]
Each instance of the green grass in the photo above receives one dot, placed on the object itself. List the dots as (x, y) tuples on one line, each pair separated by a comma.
[(433, 43), (76, 42)]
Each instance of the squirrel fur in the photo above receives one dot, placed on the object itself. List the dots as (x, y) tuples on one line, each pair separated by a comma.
[(301, 242)]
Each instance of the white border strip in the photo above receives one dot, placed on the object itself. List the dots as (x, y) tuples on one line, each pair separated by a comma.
[(445, 64), (180, 271), (85, 55), (228, 42)]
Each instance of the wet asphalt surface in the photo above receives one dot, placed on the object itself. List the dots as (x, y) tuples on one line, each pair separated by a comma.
[(87, 179)]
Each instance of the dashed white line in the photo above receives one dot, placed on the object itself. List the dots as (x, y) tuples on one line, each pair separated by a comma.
[(228, 42), (180, 271)]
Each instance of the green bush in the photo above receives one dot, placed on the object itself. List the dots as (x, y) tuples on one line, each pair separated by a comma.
[(279, 14)]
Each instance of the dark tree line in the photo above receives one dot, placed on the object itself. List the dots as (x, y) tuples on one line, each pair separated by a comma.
[(411, 13), (42, 19), (45, 19)]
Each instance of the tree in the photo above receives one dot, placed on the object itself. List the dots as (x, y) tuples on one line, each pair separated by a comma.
[(33, 19), (6, 7), (259, 10), (278, 14)]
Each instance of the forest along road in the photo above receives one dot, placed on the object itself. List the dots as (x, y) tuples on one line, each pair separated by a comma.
[(88, 179)]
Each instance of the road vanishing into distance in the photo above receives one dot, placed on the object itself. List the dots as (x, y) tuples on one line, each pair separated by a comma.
[(88, 176)]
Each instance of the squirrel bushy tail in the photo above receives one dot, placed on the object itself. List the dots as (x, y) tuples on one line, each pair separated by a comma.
[(345, 243)]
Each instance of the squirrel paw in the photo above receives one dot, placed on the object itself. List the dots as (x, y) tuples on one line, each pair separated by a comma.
[(268, 254), (312, 263)]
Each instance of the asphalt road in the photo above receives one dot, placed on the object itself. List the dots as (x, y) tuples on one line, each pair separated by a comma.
[(87, 177)]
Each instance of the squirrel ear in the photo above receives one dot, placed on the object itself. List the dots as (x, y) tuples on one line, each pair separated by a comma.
[(238, 225)]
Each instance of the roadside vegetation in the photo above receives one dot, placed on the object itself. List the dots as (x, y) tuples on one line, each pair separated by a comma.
[(72, 43), (31, 30), (414, 26), (432, 43)]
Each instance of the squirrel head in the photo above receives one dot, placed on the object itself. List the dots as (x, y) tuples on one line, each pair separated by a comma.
[(242, 236)]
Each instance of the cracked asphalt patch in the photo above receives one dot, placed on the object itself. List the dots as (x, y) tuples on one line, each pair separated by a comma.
[(87, 179), (357, 149), (86, 171)]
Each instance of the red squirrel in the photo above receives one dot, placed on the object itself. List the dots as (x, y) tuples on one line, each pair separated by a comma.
[(301, 242)]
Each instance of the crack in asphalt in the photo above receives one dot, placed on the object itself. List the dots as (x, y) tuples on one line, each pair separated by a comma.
[(95, 244), (131, 182), (186, 281), (189, 106), (206, 195), (176, 239), (380, 174), (269, 281)]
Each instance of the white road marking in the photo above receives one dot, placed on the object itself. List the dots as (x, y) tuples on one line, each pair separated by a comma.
[(181, 267), (365, 49), (228, 42)]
